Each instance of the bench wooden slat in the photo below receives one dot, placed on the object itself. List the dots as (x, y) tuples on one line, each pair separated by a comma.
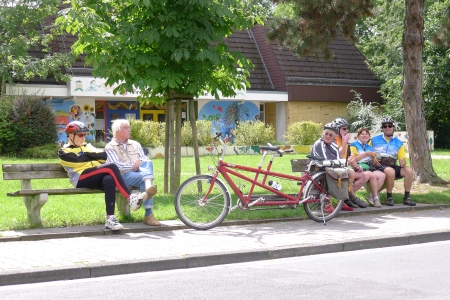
[(31, 167), (34, 175), (54, 192), (33, 171), (299, 165)]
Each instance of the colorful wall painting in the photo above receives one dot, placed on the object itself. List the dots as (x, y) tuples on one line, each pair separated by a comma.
[(67, 111), (225, 114)]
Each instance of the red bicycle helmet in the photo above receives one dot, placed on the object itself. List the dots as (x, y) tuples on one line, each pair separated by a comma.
[(75, 127)]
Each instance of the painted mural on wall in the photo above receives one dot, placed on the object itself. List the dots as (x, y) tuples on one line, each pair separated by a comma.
[(225, 114), (96, 86), (68, 111)]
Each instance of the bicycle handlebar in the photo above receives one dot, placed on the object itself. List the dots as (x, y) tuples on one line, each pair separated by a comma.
[(269, 146)]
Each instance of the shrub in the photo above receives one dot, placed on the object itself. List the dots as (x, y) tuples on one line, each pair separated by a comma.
[(203, 133), (303, 133), (44, 152), (253, 133), (31, 124), (6, 104), (363, 115), (147, 133)]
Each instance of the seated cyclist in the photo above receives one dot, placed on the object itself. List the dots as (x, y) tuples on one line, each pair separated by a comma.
[(389, 147), (326, 147)]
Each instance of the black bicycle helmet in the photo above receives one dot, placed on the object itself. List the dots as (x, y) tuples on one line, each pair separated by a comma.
[(331, 126), (75, 127), (339, 122), (387, 121)]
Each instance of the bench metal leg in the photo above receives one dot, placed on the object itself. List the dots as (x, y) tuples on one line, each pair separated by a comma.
[(122, 205), (34, 205)]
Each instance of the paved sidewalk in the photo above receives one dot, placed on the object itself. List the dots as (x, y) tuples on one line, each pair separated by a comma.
[(87, 251)]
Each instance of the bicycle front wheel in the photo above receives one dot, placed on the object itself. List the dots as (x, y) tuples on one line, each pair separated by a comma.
[(198, 211), (313, 207)]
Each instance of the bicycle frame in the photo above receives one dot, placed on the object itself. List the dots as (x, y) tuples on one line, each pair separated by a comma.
[(225, 169)]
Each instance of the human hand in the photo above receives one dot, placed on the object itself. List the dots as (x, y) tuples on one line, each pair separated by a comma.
[(351, 161), (375, 161), (346, 138), (136, 165), (402, 162)]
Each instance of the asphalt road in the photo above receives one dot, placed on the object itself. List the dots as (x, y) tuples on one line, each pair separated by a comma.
[(418, 271)]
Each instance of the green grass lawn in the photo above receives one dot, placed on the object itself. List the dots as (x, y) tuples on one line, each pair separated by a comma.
[(90, 209)]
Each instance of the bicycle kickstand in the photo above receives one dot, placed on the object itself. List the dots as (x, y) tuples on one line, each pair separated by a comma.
[(322, 204)]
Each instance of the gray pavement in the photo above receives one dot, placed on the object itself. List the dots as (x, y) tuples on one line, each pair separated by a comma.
[(40, 255)]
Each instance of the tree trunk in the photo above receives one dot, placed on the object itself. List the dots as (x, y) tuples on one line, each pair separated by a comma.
[(166, 150), (194, 135), (412, 42), (170, 109), (177, 174)]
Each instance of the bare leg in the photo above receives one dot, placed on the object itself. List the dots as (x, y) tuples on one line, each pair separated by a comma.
[(360, 179), (390, 177), (373, 183), (379, 177), (408, 174)]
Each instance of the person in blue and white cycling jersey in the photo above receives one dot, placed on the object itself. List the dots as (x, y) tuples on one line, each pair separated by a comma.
[(389, 146), (365, 155)]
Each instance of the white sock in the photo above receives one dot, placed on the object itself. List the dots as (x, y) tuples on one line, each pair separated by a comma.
[(148, 183)]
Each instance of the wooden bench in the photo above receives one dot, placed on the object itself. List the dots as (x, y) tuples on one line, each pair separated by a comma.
[(299, 165), (35, 199)]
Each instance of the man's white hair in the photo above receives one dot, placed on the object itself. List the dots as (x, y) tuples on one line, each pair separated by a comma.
[(117, 124)]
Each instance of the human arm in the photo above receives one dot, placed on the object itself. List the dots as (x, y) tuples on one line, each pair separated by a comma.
[(402, 156), (344, 145), (74, 157)]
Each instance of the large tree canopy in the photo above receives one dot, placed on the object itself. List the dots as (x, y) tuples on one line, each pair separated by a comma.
[(23, 28), (163, 46), (314, 23), (310, 25)]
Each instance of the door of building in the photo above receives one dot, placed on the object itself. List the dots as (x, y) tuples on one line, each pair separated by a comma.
[(120, 110)]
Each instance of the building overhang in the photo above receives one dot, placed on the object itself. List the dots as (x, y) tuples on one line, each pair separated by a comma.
[(88, 86)]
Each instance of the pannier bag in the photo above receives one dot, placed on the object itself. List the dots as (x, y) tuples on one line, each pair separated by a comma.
[(338, 182), (388, 161)]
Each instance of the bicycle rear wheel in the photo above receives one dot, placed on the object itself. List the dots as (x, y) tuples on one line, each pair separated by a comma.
[(195, 213), (313, 209)]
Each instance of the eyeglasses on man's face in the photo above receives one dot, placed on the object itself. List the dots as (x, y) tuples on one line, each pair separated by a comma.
[(125, 128), (387, 126), (80, 135), (344, 128), (328, 134)]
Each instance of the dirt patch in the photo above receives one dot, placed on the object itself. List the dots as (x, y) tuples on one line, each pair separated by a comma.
[(421, 188)]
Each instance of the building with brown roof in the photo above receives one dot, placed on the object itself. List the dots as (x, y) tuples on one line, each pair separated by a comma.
[(284, 89)]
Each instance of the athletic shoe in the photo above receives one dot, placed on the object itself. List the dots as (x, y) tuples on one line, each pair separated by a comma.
[(112, 223), (376, 202), (370, 199), (136, 200), (360, 203), (390, 201), (408, 201), (328, 208), (151, 191), (346, 207), (350, 203), (151, 221)]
